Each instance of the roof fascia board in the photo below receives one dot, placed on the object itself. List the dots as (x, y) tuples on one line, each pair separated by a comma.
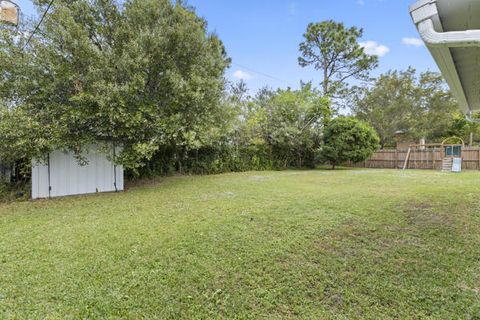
[(425, 15)]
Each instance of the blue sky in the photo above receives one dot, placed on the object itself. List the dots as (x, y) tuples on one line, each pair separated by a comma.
[(262, 36)]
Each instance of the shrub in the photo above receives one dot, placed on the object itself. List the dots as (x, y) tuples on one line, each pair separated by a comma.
[(348, 139)]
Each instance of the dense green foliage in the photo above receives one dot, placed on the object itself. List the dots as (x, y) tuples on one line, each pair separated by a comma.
[(273, 130), (348, 139), (420, 106), (467, 130), (286, 125), (149, 77), (144, 75), (349, 244)]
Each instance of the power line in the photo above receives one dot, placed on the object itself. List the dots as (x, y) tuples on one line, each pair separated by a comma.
[(262, 74), (237, 64), (38, 24)]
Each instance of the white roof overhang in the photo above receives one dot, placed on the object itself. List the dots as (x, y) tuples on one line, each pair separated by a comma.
[(451, 31)]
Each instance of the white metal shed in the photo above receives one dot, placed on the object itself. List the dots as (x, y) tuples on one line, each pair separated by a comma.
[(62, 175)]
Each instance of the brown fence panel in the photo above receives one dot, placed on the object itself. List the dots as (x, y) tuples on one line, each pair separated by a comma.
[(419, 159), (471, 158)]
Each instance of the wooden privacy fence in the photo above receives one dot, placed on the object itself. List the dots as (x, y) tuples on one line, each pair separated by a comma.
[(419, 159)]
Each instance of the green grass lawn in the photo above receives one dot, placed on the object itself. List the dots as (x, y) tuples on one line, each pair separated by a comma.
[(294, 244)]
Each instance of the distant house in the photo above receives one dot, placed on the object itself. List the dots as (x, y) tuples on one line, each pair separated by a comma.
[(404, 141), (62, 175), (401, 140)]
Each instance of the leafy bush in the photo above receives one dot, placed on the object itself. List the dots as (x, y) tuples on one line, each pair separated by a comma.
[(348, 139), (13, 192)]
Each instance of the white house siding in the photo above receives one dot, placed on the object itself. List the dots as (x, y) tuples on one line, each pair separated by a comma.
[(63, 176)]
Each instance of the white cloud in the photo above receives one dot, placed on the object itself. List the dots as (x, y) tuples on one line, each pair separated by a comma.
[(361, 2), (242, 75), (374, 48), (416, 42)]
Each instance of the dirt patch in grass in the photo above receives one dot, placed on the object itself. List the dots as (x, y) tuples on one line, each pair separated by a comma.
[(355, 239), (425, 215)]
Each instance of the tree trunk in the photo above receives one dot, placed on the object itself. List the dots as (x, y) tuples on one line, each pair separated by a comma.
[(178, 159), (334, 165), (325, 78)]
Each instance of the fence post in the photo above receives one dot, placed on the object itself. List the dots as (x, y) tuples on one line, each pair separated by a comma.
[(396, 159), (478, 159), (433, 158)]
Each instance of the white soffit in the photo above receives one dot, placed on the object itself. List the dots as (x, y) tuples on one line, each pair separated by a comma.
[(451, 31)]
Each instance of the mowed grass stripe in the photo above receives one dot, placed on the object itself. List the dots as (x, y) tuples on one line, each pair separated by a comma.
[(292, 244)]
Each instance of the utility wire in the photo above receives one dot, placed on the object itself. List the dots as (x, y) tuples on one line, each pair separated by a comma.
[(39, 24), (262, 74), (237, 64)]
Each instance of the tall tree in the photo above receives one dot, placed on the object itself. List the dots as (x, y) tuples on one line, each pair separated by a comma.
[(438, 107), (469, 131), (420, 106), (283, 127), (144, 74), (333, 49), (295, 121), (388, 105)]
